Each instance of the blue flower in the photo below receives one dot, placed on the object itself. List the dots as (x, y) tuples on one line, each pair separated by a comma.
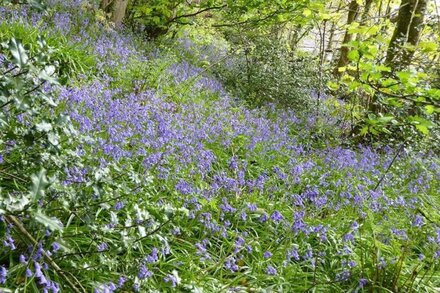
[(55, 246), (276, 216), (102, 247), (144, 272), (3, 274), (171, 279), (270, 270)]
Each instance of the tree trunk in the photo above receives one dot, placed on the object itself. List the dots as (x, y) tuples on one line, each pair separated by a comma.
[(329, 48), (365, 15), (105, 5), (120, 6), (408, 28), (343, 58)]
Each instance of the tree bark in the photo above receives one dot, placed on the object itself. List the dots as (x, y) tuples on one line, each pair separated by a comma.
[(365, 15), (348, 37), (120, 6), (105, 5), (329, 48), (408, 29)]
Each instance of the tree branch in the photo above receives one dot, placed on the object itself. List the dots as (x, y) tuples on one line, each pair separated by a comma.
[(74, 284), (196, 13)]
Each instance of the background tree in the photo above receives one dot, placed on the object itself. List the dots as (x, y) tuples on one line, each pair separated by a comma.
[(407, 32)]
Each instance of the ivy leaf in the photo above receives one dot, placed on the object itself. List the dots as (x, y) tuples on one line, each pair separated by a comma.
[(18, 53)]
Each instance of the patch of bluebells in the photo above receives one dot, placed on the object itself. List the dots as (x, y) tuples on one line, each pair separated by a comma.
[(243, 178)]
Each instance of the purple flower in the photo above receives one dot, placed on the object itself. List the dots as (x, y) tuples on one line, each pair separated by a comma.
[(153, 257), (270, 270), (276, 216), (226, 207), (293, 253), (343, 276), (55, 246), (262, 218), (119, 205), (121, 281), (102, 247), (144, 272), (267, 254), (171, 279), (231, 265), (38, 252), (28, 273), (3, 274), (22, 259), (184, 187), (348, 238), (418, 221), (362, 283), (9, 242), (354, 225), (39, 274)]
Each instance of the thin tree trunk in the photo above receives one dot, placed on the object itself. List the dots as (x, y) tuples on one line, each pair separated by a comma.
[(364, 17), (105, 5), (120, 7), (415, 30), (408, 28), (348, 37), (329, 48)]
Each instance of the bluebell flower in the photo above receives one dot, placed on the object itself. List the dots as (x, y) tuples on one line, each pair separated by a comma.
[(270, 270), (267, 254), (3, 274), (121, 281), (231, 265), (55, 246), (276, 216), (144, 273), (102, 247), (28, 273), (22, 259), (171, 279)]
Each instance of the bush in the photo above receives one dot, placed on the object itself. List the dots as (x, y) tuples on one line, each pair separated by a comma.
[(262, 70)]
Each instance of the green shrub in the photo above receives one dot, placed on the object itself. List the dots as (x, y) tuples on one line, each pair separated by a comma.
[(70, 59)]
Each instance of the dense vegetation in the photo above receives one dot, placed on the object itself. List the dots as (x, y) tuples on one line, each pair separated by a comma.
[(197, 146)]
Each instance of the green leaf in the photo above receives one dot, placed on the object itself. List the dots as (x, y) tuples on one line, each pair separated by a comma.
[(332, 85), (428, 46), (48, 74), (39, 184), (385, 119), (429, 109), (353, 55), (51, 223), (422, 128), (18, 53), (307, 12)]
